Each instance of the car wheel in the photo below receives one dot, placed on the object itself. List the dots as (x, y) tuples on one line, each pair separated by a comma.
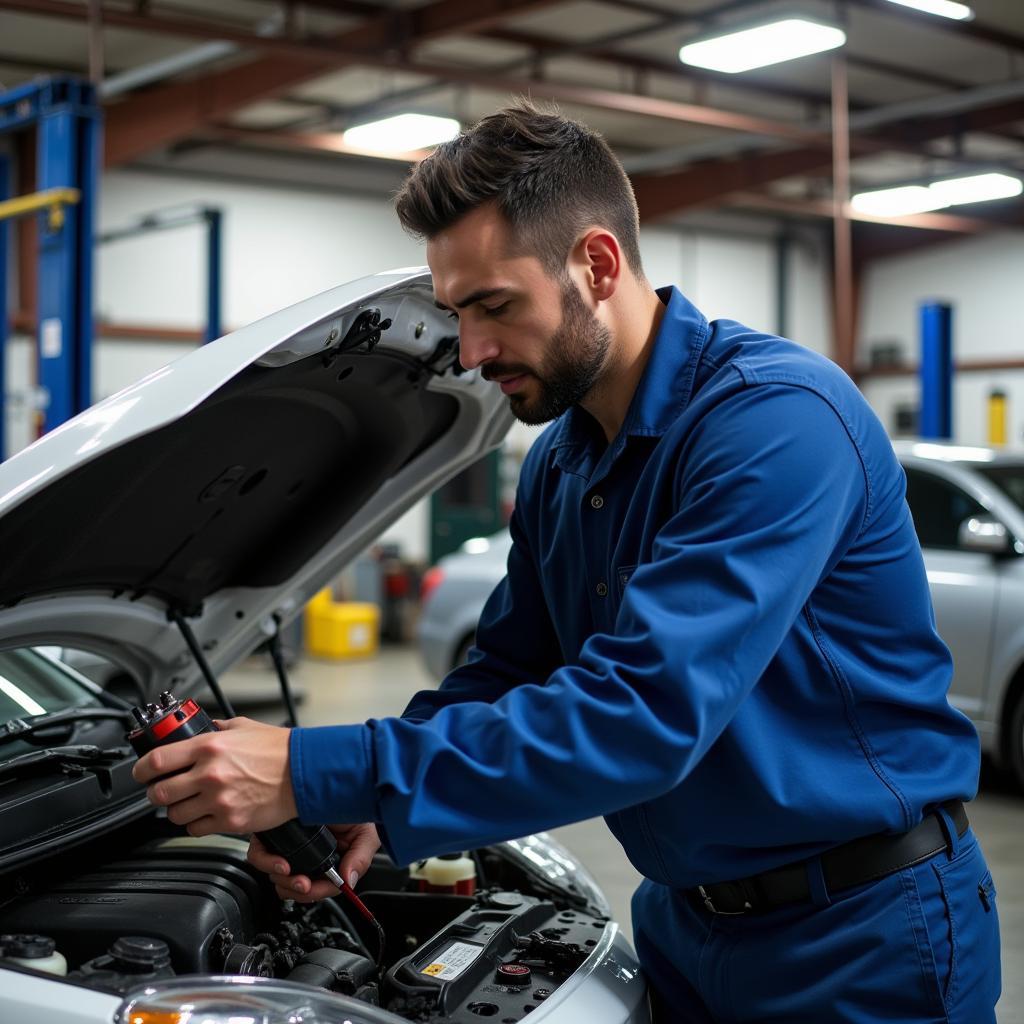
[(462, 651), (1016, 751)]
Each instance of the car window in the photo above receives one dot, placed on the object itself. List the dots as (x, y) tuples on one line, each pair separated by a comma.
[(938, 508), (1009, 479), (31, 684)]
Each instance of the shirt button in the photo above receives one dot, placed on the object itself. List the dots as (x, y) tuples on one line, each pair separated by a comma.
[(597, 501), (602, 589)]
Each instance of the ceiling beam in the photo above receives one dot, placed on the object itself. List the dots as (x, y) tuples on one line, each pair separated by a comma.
[(708, 182), (167, 113), (823, 208)]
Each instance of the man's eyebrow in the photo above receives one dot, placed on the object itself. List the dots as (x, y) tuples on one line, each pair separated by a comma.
[(478, 296)]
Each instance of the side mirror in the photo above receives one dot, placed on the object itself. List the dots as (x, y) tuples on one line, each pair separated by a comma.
[(984, 533)]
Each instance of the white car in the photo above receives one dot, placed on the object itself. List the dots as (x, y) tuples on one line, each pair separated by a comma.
[(182, 522), (968, 508)]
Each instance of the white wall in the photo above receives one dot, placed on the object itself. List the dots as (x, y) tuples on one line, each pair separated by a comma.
[(982, 277), (281, 245)]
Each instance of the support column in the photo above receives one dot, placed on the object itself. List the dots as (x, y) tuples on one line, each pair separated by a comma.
[(67, 155), (213, 274), (843, 288), (936, 420)]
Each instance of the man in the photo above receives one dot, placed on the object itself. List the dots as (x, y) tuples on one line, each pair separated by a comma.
[(715, 630)]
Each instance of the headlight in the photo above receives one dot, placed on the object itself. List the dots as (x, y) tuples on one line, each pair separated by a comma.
[(543, 855), (243, 1001)]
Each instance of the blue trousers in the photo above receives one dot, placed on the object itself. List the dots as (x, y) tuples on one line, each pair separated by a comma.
[(920, 946)]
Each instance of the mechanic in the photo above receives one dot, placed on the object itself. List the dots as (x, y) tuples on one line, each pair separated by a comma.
[(715, 631)]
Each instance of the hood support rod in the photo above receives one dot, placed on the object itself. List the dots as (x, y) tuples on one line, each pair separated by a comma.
[(204, 666), (277, 656)]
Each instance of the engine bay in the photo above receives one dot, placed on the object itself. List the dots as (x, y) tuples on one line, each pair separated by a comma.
[(165, 905)]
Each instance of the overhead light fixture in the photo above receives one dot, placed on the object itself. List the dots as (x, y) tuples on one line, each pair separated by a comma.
[(402, 133), (910, 199), (897, 202), (761, 45), (943, 8), (978, 188)]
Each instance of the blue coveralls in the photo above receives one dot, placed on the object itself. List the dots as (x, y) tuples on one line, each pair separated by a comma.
[(717, 632)]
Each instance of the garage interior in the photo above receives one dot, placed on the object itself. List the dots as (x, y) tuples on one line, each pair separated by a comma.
[(172, 170)]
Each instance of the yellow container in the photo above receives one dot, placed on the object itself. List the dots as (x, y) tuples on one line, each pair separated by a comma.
[(341, 629)]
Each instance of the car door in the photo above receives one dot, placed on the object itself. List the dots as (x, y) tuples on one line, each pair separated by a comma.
[(963, 583)]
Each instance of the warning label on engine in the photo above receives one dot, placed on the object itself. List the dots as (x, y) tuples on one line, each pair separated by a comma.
[(452, 961)]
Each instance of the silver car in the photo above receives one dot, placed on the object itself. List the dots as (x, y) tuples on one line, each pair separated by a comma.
[(968, 508), (170, 530)]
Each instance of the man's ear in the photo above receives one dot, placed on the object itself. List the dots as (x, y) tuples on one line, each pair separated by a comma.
[(599, 256)]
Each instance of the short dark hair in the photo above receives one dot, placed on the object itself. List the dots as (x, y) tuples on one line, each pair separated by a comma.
[(549, 177)]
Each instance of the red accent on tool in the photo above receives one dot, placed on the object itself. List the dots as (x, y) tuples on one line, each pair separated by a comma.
[(166, 725)]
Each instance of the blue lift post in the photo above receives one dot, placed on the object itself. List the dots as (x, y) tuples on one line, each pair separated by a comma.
[(936, 370), (68, 126), (68, 154)]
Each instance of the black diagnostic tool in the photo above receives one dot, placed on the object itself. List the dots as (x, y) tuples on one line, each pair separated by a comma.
[(309, 849)]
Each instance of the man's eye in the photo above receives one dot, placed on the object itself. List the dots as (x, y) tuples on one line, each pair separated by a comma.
[(496, 310), (453, 316)]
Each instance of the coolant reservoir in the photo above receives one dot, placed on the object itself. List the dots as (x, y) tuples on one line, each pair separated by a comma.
[(36, 951), (451, 872)]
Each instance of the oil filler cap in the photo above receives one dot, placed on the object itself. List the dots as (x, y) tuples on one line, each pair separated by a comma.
[(513, 974), (138, 953)]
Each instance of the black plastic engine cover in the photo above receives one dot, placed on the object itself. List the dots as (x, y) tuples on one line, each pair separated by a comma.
[(182, 892)]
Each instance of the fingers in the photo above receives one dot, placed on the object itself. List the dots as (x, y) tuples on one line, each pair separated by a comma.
[(227, 724), (303, 890), (364, 843), (165, 760), (263, 860), (184, 812), (172, 790)]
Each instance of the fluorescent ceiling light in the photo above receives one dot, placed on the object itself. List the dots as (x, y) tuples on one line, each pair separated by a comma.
[(943, 8), (897, 202), (978, 188), (758, 47), (403, 133), (909, 199)]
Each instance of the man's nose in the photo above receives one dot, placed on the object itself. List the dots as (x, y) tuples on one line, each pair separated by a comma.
[(476, 346)]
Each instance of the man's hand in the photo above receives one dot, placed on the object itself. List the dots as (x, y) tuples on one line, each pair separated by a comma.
[(236, 780), (359, 843)]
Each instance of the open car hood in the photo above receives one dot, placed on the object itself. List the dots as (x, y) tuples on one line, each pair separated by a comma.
[(234, 483)]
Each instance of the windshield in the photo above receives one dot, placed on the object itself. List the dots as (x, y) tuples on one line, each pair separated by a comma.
[(32, 684), (1009, 479)]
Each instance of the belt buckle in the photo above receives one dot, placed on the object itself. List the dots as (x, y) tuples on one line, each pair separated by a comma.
[(710, 905)]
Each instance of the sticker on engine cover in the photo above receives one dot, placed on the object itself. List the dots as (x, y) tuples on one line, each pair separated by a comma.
[(453, 961)]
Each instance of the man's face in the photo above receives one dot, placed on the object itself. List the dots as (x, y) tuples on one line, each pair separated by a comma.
[(530, 332)]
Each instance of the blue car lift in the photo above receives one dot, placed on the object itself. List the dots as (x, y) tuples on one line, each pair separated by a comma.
[(936, 372), (68, 124)]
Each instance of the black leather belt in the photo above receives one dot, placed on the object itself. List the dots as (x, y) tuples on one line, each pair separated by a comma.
[(854, 863)]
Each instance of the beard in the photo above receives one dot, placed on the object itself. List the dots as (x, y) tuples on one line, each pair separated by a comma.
[(576, 356)]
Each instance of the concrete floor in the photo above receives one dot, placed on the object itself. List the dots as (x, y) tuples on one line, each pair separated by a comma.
[(353, 692)]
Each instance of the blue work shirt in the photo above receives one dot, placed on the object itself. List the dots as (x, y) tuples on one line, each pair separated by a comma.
[(716, 631)]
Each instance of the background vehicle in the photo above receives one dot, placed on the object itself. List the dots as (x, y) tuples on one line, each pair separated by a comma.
[(968, 509)]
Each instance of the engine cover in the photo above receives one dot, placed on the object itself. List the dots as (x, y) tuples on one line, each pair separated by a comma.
[(184, 892)]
